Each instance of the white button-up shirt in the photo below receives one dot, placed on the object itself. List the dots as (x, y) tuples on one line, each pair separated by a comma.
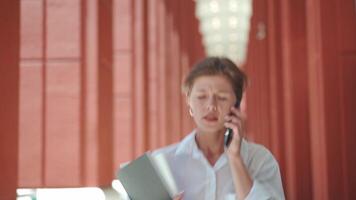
[(199, 180)]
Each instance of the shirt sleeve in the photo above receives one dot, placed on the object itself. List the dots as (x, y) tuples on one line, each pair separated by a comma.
[(267, 183), (257, 192)]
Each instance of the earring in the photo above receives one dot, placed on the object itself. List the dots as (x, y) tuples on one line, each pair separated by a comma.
[(191, 112)]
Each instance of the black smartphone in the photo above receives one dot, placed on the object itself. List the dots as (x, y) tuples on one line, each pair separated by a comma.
[(229, 133)]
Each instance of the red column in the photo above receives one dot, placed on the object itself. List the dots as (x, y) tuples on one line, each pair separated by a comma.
[(9, 101), (156, 52), (105, 93), (310, 58), (317, 115), (61, 94), (139, 77), (31, 95), (173, 74), (186, 13), (97, 100), (89, 94), (296, 102), (162, 71), (153, 75), (123, 82), (277, 97), (332, 60), (66, 94), (258, 70), (49, 94)]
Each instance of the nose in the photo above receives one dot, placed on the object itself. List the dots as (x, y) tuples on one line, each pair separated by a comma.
[(211, 105)]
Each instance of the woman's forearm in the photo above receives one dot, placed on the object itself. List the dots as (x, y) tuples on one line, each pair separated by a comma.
[(242, 180)]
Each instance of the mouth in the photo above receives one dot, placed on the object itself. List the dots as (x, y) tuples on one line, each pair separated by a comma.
[(211, 118)]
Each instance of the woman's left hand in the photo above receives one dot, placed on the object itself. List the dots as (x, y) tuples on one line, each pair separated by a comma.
[(235, 121), (179, 196)]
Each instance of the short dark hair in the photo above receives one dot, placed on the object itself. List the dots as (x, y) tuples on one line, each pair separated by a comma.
[(212, 66)]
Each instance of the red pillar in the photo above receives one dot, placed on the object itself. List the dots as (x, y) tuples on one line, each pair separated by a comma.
[(97, 90), (123, 82), (31, 95), (66, 94), (99, 96), (308, 93), (296, 102), (140, 82), (105, 93), (153, 76), (9, 101), (162, 71), (332, 65), (277, 97)]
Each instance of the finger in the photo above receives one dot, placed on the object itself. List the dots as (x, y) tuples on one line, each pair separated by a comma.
[(235, 120), (237, 126), (237, 117), (238, 113), (232, 114), (235, 129), (179, 196)]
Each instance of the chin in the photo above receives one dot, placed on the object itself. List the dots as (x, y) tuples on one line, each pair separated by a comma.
[(211, 129)]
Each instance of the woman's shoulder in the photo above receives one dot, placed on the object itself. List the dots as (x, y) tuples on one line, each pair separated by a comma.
[(183, 145), (166, 150)]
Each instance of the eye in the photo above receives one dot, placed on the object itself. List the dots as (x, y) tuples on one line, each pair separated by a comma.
[(201, 96), (221, 98)]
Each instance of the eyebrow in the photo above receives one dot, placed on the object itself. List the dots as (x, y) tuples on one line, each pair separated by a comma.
[(219, 92)]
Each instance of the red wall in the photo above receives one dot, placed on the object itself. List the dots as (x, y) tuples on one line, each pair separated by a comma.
[(98, 83)]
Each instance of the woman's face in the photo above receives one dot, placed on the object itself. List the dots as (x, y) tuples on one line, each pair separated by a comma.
[(210, 100)]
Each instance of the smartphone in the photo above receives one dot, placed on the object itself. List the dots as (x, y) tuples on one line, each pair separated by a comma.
[(229, 133)]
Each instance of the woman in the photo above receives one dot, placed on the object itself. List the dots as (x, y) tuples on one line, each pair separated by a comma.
[(202, 166)]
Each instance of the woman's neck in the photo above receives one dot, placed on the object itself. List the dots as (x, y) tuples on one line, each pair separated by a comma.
[(211, 144)]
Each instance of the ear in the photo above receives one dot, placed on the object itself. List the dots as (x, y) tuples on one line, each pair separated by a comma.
[(243, 103), (187, 100)]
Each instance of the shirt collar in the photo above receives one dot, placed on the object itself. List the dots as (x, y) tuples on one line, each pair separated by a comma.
[(189, 146)]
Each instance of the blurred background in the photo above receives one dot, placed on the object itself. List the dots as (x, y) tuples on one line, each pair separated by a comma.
[(86, 85)]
